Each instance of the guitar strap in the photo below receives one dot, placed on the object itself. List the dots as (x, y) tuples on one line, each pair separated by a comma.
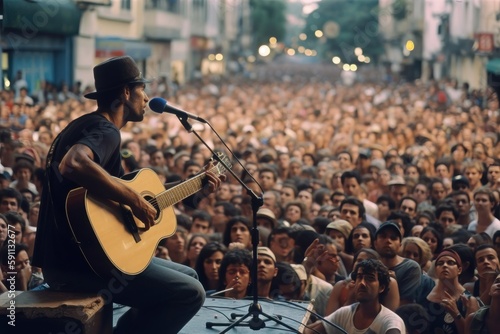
[(48, 167), (41, 257)]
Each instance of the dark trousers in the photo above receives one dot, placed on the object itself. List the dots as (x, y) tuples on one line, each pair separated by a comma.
[(163, 298)]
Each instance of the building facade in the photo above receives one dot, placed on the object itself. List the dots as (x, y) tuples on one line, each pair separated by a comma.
[(451, 39), (36, 42), (60, 41)]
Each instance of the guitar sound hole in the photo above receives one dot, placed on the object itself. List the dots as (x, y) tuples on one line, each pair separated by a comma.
[(153, 202)]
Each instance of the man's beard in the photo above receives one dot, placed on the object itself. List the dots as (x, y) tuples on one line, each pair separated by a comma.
[(387, 254)]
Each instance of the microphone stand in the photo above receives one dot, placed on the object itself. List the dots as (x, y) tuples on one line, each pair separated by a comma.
[(255, 308)]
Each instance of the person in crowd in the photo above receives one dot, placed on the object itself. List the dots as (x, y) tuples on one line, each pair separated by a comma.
[(352, 210), (22, 173), (288, 192), (434, 239), (176, 245), (293, 211), (194, 245), (282, 243), (403, 220), (10, 200), (222, 212), (24, 278), (408, 273), (484, 202), (266, 218), (416, 249), (290, 282), (371, 282), (462, 202), (351, 183), (201, 222), (362, 236), (409, 206), (488, 267), (234, 273), (449, 303), (447, 215), (326, 263), (237, 233), (415, 318), (385, 205), (484, 320), (208, 264), (266, 271), (339, 230), (343, 291), (473, 170), (467, 274), (478, 239)]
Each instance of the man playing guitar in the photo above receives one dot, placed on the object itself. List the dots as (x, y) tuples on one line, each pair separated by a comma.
[(164, 295)]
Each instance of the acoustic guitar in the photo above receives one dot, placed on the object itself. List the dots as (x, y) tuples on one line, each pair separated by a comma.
[(109, 235)]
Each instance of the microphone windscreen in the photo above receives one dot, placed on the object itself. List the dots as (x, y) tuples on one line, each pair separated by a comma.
[(157, 104)]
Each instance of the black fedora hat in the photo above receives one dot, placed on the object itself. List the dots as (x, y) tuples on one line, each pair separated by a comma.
[(115, 73)]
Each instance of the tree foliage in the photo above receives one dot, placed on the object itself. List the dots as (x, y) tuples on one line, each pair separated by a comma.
[(268, 20), (358, 27)]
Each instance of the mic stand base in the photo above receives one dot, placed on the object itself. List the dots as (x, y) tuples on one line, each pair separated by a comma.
[(255, 323)]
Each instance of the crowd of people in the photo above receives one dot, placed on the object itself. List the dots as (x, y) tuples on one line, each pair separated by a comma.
[(380, 199)]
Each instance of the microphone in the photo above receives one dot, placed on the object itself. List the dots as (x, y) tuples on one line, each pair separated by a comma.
[(159, 105)]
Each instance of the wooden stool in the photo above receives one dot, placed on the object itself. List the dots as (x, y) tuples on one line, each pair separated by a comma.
[(55, 312)]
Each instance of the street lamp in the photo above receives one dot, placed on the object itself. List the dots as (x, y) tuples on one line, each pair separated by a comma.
[(264, 50)]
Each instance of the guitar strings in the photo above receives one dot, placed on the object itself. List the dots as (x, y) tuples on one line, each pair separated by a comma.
[(221, 169)]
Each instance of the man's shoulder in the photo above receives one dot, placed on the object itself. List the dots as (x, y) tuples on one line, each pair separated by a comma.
[(347, 309), (406, 264), (321, 284), (472, 226), (493, 227), (388, 320)]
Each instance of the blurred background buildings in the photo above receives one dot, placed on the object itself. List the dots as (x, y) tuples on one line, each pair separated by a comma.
[(177, 40)]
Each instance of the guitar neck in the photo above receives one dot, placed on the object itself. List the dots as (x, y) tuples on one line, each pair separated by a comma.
[(181, 191)]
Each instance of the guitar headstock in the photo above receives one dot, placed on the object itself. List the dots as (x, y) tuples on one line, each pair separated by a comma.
[(220, 168)]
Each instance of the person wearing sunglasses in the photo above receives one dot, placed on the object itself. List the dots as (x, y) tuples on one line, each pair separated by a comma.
[(449, 303)]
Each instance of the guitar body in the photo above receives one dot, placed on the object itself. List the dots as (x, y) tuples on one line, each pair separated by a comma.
[(99, 227)]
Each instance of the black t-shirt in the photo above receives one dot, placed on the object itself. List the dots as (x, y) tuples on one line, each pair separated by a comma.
[(55, 248)]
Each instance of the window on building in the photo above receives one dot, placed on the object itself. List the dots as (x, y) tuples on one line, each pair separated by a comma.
[(172, 6), (125, 4)]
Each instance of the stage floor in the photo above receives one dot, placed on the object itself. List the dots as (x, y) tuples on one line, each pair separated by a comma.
[(219, 310)]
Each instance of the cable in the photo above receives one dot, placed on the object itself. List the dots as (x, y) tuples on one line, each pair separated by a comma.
[(305, 325), (215, 310), (235, 157), (314, 313)]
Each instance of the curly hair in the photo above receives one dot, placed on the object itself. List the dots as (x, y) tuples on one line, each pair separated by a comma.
[(236, 256), (374, 266)]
